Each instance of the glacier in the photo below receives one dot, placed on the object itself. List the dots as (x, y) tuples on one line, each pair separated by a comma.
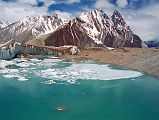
[(8, 52)]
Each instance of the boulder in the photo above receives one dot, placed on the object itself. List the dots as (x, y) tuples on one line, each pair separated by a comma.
[(74, 50)]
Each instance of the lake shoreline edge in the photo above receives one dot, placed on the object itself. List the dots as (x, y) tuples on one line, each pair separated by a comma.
[(144, 60)]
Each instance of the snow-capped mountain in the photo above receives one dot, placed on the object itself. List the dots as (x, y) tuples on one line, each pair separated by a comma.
[(96, 23), (30, 27), (152, 43), (3, 24), (95, 28)]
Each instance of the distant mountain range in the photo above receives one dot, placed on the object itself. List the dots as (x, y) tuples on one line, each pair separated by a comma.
[(152, 43), (93, 28), (29, 28)]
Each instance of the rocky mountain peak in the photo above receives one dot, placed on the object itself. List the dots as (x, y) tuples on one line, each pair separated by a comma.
[(48, 22), (118, 19), (0, 24), (3, 24), (30, 27), (89, 29), (95, 14), (94, 23)]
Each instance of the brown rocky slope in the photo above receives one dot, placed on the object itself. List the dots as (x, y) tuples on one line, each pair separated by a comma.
[(142, 59)]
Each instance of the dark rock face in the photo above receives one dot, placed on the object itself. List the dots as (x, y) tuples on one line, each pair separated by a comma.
[(137, 42), (0, 25), (70, 34), (126, 37)]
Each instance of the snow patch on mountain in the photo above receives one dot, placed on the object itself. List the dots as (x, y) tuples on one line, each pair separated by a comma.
[(3, 24), (94, 23), (98, 25), (41, 24), (31, 27)]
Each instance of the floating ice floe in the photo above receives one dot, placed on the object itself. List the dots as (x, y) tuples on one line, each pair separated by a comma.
[(23, 64), (35, 60), (10, 71), (88, 72), (49, 82), (71, 73), (20, 60), (19, 78), (4, 63), (51, 60), (9, 76)]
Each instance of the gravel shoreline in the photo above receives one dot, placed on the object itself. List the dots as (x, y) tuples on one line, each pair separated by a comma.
[(141, 59)]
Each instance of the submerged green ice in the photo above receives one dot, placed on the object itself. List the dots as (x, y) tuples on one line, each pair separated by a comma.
[(30, 89)]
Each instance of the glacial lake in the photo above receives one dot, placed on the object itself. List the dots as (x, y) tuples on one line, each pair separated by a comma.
[(32, 89)]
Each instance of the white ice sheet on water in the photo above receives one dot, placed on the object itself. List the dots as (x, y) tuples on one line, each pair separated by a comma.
[(88, 72), (44, 68)]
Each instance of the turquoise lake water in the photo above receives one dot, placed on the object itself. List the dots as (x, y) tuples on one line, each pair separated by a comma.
[(87, 90)]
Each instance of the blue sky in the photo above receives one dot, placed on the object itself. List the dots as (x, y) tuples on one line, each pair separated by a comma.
[(141, 15)]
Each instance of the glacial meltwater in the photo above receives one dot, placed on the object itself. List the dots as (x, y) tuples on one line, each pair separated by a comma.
[(53, 89)]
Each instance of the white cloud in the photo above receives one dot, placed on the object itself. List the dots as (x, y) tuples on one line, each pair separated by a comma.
[(144, 22), (33, 2), (72, 1), (13, 12), (48, 2), (146, 29), (102, 4), (151, 10), (63, 14), (122, 3)]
